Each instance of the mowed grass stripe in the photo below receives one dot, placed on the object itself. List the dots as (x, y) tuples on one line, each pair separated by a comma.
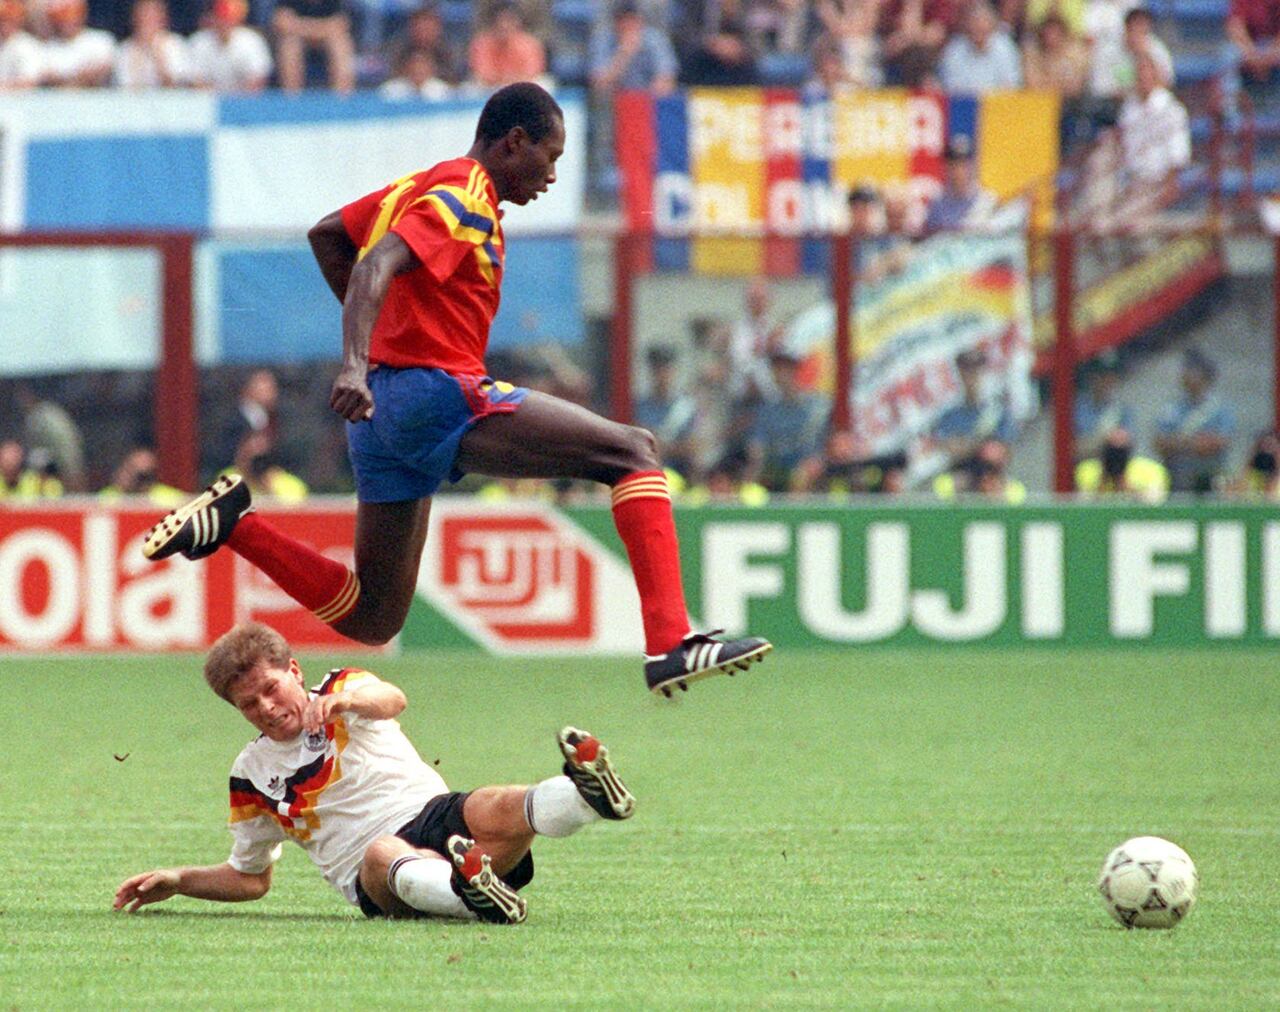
[(852, 829)]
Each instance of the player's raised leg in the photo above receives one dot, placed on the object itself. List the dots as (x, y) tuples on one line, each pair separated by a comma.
[(551, 438), (586, 763), (400, 880), (389, 541), (368, 605)]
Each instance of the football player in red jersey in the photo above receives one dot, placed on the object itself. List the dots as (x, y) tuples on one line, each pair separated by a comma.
[(418, 266)]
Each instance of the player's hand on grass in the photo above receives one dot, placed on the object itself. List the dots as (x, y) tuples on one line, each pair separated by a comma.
[(149, 887), (321, 709), (351, 396)]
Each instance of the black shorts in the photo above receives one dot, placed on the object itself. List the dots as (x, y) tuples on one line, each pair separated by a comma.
[(430, 829)]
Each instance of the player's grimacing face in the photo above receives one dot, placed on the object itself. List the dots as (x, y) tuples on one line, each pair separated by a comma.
[(537, 169), (272, 700)]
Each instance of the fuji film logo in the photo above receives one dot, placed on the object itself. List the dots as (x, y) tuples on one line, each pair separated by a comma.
[(522, 577)]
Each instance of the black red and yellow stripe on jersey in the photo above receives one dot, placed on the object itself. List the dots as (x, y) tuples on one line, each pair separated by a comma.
[(295, 811)]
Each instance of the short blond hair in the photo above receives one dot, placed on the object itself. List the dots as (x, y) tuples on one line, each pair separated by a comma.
[(239, 651)]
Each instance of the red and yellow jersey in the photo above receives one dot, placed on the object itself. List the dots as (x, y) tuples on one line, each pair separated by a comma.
[(437, 315), (332, 792)]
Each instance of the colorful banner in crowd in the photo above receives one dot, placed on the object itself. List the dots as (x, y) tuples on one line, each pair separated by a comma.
[(778, 164), (918, 306), (521, 577)]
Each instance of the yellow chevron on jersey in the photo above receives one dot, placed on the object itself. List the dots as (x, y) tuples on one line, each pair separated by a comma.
[(470, 218), (390, 211)]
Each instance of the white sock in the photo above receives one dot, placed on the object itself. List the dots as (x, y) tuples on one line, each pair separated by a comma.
[(423, 883), (555, 808)]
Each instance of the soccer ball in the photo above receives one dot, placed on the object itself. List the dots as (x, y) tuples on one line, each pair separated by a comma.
[(1148, 882)]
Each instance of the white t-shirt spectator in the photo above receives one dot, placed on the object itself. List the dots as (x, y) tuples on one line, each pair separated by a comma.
[(88, 48), (240, 65), (1155, 137), (20, 61), (1104, 28), (137, 67), (968, 70), (1120, 73)]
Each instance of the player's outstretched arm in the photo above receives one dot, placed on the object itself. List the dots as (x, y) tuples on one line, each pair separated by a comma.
[(366, 291), (334, 252), (212, 882), (378, 701)]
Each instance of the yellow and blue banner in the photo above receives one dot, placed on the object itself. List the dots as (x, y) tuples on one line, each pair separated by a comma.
[(741, 180)]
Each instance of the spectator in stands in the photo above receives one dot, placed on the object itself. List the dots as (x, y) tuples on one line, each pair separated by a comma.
[(633, 56), (866, 213), (301, 26), (139, 475), (76, 56), (1117, 470), (416, 78), (257, 411), (914, 32), (851, 32), (1140, 39), (726, 482), (504, 52), (1155, 140), (1253, 29), (718, 46), (711, 430), (1105, 35), (787, 434), (829, 76), (1194, 434), (153, 56), (1098, 410), (963, 202), (24, 476), (20, 55), (754, 337), (842, 468), (1055, 60), (886, 228), (892, 247), (535, 15), (962, 428), (984, 473), (781, 26), (1261, 477), (227, 55), (666, 410), (256, 461), (982, 58), (425, 31), (50, 432)]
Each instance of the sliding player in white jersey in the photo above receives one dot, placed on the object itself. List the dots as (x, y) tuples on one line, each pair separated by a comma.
[(332, 771)]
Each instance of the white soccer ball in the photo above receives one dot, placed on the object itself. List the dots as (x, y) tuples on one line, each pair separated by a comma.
[(1148, 882)]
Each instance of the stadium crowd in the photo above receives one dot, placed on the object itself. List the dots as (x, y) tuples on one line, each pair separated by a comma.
[(1087, 50), (769, 437), (771, 434)]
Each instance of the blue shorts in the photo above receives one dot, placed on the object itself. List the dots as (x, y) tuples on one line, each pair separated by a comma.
[(419, 417)]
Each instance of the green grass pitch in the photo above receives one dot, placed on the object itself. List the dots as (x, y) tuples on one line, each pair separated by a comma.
[(830, 829)]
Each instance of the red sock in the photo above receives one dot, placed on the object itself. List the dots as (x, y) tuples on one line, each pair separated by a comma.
[(642, 514), (327, 588)]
